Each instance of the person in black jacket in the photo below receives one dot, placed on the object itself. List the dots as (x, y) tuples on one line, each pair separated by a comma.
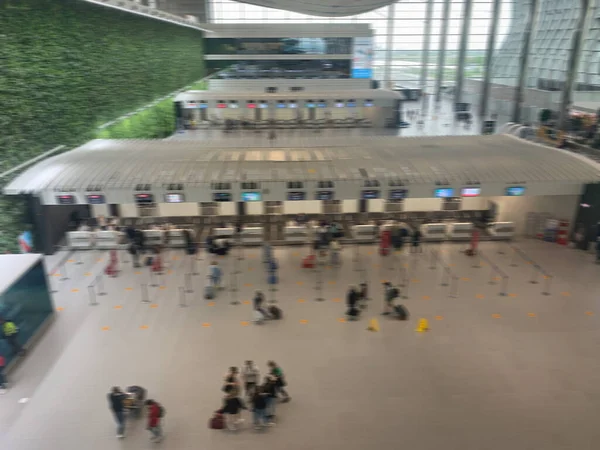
[(259, 408), (258, 301), (270, 389), (116, 403), (232, 408), (352, 299)]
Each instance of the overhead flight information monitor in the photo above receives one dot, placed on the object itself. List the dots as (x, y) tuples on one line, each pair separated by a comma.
[(65, 199), (296, 195), (324, 195), (470, 192), (444, 193), (251, 196), (96, 199), (221, 197), (370, 194), (514, 191), (144, 199), (174, 198), (398, 194)]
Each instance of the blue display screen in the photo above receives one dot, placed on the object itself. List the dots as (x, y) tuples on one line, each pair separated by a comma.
[(251, 196), (281, 105), (444, 193), (202, 106), (351, 104), (310, 105), (322, 105), (515, 191)]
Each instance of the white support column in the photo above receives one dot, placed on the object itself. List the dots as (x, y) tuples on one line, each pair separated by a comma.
[(462, 51), (425, 58), (388, 83), (439, 82), (483, 105)]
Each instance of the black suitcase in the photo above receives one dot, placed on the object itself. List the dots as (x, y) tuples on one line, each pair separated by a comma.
[(275, 312), (401, 312)]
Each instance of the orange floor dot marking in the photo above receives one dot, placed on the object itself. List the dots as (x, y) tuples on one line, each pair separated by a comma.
[(426, 297), (383, 281), (153, 305), (300, 300), (299, 283), (70, 260), (56, 274), (337, 300), (169, 272), (439, 318), (248, 285), (162, 288), (415, 280), (60, 308), (250, 269), (105, 328), (405, 265), (342, 320), (546, 277), (451, 265), (211, 304), (74, 290), (100, 260), (332, 282), (565, 294), (143, 327), (531, 314), (370, 252), (206, 324), (244, 323), (87, 274), (303, 321), (138, 272), (118, 307), (245, 302), (465, 279), (497, 278), (175, 258), (296, 253), (496, 316), (512, 295), (480, 296), (129, 289), (376, 265), (589, 313)]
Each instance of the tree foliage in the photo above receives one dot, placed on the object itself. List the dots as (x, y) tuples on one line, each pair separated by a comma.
[(68, 66)]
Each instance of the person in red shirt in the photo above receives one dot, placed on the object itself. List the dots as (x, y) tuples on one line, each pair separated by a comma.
[(2, 378), (154, 420)]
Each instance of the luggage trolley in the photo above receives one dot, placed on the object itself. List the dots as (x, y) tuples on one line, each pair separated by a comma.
[(134, 403)]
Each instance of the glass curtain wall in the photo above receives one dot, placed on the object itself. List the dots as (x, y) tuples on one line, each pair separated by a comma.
[(405, 32)]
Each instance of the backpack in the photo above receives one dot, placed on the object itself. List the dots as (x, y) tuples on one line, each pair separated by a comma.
[(217, 422), (161, 411)]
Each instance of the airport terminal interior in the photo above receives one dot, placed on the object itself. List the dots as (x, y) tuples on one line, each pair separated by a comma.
[(411, 188)]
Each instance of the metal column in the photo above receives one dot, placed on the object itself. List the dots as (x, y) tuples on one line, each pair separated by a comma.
[(489, 55), (462, 51), (442, 52), (524, 61), (425, 58), (389, 44), (573, 64)]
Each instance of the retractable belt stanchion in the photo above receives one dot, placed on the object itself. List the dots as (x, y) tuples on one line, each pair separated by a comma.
[(144, 293), (515, 256), (63, 272), (125, 252), (233, 289), (100, 285), (504, 287), (433, 260), (182, 292), (547, 284), (189, 288), (535, 274), (319, 283), (453, 290), (193, 266), (272, 295), (92, 294), (240, 256), (51, 284), (445, 278), (78, 258), (153, 281)]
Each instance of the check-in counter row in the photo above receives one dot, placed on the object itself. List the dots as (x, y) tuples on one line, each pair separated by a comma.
[(248, 235), (441, 231), (82, 240)]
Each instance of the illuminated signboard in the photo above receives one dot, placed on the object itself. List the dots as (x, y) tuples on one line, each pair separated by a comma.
[(96, 199), (65, 199)]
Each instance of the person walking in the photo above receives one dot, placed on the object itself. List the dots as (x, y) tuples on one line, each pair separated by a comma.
[(258, 301), (269, 388), (280, 382), (259, 408), (416, 241), (214, 274), (116, 403), (232, 381), (155, 413), (232, 408), (352, 299), (251, 376), (2, 375), (389, 294), (10, 332)]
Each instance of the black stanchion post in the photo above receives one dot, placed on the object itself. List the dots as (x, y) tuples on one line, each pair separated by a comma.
[(513, 261), (404, 293), (547, 284), (319, 285), (78, 258), (63, 272), (504, 286), (401, 280), (182, 292), (193, 269), (445, 277), (233, 289), (153, 281), (535, 274), (492, 273), (273, 295), (92, 294), (144, 291), (477, 265), (240, 247), (51, 284), (125, 253), (189, 288), (433, 260), (100, 285), (356, 252), (453, 289)]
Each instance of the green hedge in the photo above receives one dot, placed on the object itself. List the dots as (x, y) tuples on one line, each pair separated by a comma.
[(68, 66)]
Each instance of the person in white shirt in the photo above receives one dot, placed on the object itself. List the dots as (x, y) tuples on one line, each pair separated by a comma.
[(251, 377)]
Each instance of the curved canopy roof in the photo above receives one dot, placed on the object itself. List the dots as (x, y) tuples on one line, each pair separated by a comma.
[(324, 8)]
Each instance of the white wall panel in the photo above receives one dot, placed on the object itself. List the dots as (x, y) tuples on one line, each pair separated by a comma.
[(255, 208), (178, 209), (349, 206), (226, 209), (129, 210), (99, 210), (302, 206)]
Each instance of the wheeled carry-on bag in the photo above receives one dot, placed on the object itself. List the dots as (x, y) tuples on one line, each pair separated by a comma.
[(401, 312), (275, 312), (209, 292)]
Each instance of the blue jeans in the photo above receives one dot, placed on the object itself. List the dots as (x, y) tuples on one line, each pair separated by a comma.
[(156, 431), (260, 417), (120, 419), (271, 402)]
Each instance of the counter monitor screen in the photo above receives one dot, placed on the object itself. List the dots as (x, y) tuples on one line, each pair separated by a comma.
[(297, 195), (310, 105), (96, 199), (251, 196), (251, 105), (144, 198), (368, 103), (174, 198), (65, 199), (470, 192), (233, 104), (293, 105), (370, 194), (515, 191), (398, 194), (351, 104), (263, 105), (221, 197), (203, 105), (322, 104), (324, 195), (444, 193), (281, 105), (221, 105), (339, 104)]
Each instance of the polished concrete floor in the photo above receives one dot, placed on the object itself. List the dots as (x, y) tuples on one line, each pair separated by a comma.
[(494, 372)]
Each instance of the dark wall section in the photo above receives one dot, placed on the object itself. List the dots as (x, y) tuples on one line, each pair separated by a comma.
[(588, 215)]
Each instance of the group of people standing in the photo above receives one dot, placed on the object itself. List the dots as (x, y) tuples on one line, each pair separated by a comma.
[(120, 403), (262, 397)]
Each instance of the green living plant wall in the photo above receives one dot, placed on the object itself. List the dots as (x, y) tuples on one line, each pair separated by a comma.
[(68, 66)]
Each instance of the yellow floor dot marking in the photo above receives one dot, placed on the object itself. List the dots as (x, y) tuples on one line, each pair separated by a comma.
[(465, 279), (342, 320), (251, 256), (138, 272), (451, 265), (528, 262), (248, 285), (70, 260), (153, 305), (87, 274), (206, 324), (60, 308), (370, 252), (439, 317), (589, 313), (426, 297), (337, 300), (415, 280), (129, 289), (299, 283), (211, 304), (118, 307), (383, 281), (546, 277), (296, 253), (312, 171), (245, 302), (143, 327), (303, 321), (531, 314), (162, 288), (482, 264), (496, 316), (74, 290), (244, 323), (300, 300), (565, 294), (480, 296), (105, 328), (332, 282), (512, 295)]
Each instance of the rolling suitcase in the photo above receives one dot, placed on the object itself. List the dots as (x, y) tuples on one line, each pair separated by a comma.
[(217, 422), (401, 312), (209, 292), (308, 262), (275, 312)]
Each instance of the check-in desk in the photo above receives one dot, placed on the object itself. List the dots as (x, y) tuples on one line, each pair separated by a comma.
[(107, 239), (80, 240), (501, 230), (252, 236), (295, 234), (224, 232), (434, 231), (176, 238), (460, 231), (364, 233), (153, 238)]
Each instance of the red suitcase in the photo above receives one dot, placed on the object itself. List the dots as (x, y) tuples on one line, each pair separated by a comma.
[(309, 262)]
